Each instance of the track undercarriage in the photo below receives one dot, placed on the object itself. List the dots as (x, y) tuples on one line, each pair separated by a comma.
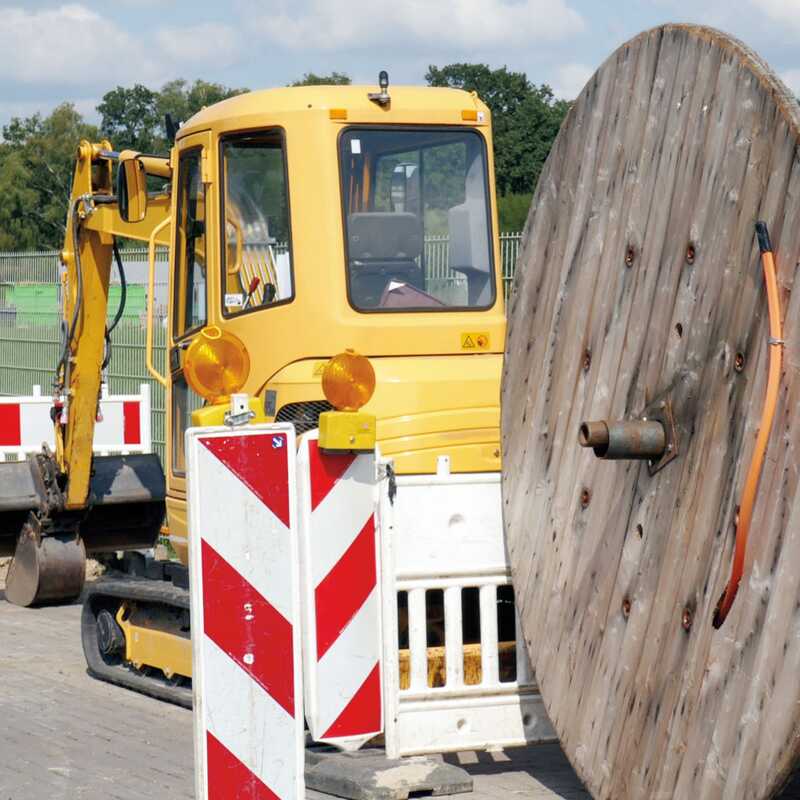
[(135, 629)]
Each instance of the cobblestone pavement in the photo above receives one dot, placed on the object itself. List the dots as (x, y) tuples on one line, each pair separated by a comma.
[(65, 736)]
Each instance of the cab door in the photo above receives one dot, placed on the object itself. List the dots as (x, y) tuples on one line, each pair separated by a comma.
[(192, 290)]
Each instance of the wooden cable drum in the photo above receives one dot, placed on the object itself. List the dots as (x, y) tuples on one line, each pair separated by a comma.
[(639, 306)]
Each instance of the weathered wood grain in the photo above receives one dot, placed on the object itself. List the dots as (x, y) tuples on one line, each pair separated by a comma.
[(679, 143)]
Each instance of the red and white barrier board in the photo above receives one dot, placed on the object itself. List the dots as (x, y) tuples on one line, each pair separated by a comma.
[(247, 673), (123, 424), (341, 595)]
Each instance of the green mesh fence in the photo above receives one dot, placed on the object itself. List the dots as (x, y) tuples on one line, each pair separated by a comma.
[(30, 330)]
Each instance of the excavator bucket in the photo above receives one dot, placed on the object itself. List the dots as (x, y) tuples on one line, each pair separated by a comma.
[(49, 544)]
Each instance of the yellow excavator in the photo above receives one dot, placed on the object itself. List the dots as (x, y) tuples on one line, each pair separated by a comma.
[(301, 222)]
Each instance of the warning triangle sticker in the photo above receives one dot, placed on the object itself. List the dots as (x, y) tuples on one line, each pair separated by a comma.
[(468, 343)]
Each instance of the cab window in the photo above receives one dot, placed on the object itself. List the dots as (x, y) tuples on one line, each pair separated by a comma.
[(257, 262), (416, 216), (190, 247)]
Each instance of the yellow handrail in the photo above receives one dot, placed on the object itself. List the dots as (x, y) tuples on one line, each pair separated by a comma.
[(151, 282)]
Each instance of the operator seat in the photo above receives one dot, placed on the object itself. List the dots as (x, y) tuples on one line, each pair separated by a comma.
[(382, 246)]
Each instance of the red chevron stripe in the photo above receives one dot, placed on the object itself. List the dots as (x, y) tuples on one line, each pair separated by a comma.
[(363, 713), (259, 464), (242, 622), (345, 588), (229, 779), (132, 429), (326, 470), (10, 429)]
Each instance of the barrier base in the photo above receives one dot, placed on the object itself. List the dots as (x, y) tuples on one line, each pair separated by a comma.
[(370, 775)]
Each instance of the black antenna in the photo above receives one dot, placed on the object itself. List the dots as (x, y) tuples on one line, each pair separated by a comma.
[(381, 98), (171, 127)]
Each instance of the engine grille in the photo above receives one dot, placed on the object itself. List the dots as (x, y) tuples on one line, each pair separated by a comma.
[(304, 416)]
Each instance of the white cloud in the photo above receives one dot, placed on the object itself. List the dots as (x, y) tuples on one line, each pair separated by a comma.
[(791, 77), (69, 44), (473, 24), (570, 79), (784, 12), (194, 43)]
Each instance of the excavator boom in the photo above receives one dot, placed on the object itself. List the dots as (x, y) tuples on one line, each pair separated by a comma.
[(56, 507)]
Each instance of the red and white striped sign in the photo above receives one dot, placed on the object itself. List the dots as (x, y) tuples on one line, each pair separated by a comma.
[(247, 679), (341, 597), (123, 423)]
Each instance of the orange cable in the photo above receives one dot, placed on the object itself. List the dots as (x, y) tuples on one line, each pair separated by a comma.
[(775, 343)]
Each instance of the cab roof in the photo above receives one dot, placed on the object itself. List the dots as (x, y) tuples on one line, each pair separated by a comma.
[(228, 114)]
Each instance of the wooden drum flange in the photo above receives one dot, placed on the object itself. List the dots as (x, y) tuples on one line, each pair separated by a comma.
[(639, 280)]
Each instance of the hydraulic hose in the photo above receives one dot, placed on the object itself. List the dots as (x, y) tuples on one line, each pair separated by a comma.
[(123, 290), (63, 364), (775, 343), (123, 295)]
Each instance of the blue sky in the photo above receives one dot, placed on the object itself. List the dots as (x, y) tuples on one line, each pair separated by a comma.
[(75, 51)]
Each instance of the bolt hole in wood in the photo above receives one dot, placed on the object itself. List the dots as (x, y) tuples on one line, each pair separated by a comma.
[(586, 498), (587, 360), (626, 607), (679, 330), (686, 619), (690, 253), (630, 256), (739, 362), (640, 531)]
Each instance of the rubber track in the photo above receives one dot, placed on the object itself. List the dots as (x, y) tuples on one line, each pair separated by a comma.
[(122, 587)]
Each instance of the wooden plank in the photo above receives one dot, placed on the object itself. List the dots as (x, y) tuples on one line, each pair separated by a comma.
[(677, 145)]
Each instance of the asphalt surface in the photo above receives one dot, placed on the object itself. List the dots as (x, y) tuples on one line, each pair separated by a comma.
[(66, 736)]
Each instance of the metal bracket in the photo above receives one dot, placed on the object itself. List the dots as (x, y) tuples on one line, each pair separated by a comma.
[(661, 411), (235, 420), (240, 412)]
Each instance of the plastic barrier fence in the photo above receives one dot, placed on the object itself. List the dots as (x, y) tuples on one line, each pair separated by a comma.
[(455, 677), (123, 424)]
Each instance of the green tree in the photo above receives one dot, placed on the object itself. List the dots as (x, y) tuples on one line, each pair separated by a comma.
[(129, 118), (37, 157), (525, 119), (183, 100), (512, 209), (312, 79), (134, 117)]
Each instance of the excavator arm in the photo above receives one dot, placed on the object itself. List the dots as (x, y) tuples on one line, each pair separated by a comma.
[(57, 507), (93, 222)]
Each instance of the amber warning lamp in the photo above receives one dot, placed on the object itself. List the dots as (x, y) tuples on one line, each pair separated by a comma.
[(216, 365), (348, 382)]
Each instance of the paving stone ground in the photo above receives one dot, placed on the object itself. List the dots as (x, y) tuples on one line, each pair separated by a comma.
[(65, 736)]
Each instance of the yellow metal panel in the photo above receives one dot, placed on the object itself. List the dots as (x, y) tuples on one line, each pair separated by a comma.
[(425, 407), (347, 431), (153, 642)]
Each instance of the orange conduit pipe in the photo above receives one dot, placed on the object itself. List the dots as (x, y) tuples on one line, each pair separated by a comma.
[(775, 343)]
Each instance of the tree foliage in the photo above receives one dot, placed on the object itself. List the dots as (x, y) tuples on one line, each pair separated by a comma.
[(525, 119), (37, 159), (37, 153), (312, 79), (133, 118)]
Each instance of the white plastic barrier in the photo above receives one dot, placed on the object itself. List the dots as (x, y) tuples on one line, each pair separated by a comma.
[(123, 424), (442, 538)]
